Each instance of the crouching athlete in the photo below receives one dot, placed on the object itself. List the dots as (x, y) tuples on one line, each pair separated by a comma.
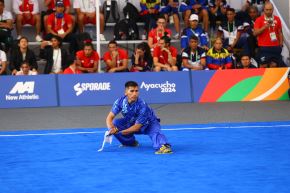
[(138, 118)]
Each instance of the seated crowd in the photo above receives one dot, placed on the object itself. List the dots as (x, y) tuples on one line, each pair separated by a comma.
[(215, 36)]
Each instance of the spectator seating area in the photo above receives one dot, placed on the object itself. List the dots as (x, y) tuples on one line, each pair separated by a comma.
[(131, 45)]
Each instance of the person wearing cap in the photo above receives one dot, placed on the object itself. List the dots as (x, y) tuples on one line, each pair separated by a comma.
[(51, 5), (61, 24), (195, 30), (27, 12), (86, 14), (164, 56), (199, 7)]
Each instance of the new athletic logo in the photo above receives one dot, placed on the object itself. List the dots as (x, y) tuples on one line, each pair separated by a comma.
[(22, 87), (22, 91), (94, 86), (164, 87)]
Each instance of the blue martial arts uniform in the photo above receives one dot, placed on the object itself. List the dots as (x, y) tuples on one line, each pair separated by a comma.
[(137, 112)]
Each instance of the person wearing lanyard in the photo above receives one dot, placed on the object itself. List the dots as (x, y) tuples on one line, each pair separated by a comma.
[(195, 30), (232, 32), (156, 33), (61, 24), (51, 5), (268, 30), (116, 59), (193, 57)]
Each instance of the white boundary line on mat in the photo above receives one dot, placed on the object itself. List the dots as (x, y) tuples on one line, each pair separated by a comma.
[(170, 129)]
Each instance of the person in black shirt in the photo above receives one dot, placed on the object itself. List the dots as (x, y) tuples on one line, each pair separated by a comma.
[(142, 60)]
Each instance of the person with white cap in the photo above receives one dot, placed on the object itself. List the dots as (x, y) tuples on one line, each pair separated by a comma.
[(196, 30), (199, 7)]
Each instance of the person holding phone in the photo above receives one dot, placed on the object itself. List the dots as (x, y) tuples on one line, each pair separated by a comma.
[(268, 30)]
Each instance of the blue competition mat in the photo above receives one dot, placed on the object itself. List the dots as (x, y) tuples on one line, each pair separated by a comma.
[(211, 158)]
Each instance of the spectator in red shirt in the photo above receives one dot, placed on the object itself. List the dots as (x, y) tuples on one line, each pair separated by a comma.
[(164, 56), (27, 12), (268, 30), (51, 5), (156, 33), (72, 69), (88, 59), (61, 24), (116, 59)]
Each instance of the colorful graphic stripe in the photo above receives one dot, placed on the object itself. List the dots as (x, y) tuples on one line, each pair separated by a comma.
[(242, 85)]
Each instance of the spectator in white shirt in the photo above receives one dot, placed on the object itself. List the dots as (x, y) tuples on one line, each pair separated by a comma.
[(86, 14), (25, 70), (55, 55), (3, 63), (27, 12)]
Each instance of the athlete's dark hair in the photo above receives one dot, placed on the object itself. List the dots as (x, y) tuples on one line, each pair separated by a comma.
[(131, 84)]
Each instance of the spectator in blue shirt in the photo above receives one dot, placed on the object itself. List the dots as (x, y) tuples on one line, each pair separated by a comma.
[(194, 29), (169, 8), (138, 118)]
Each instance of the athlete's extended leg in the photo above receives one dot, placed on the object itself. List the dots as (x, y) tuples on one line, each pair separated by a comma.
[(154, 132)]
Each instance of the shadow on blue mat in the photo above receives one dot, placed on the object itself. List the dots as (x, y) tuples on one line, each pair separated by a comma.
[(211, 158)]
